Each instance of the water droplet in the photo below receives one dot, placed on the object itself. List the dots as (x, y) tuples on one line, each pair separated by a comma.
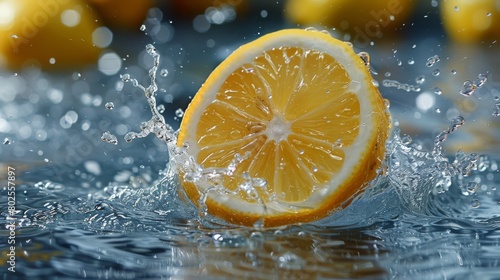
[(468, 88), (437, 91), (481, 80), (291, 261), (164, 72), (125, 77), (14, 36), (456, 123), (406, 139), (475, 203), (453, 72), (496, 109), (488, 14), (434, 3), (436, 73), (483, 163), (142, 28), (472, 187), (109, 138), (151, 50), (420, 79), (109, 105), (179, 113), (366, 58), (411, 62), (161, 108), (432, 60), (456, 9), (257, 238), (7, 141)]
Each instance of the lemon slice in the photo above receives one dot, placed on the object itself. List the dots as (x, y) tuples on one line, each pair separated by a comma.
[(298, 110)]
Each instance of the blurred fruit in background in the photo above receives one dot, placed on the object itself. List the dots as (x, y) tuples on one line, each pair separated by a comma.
[(126, 14), (359, 21), (47, 33), (468, 21), (192, 8)]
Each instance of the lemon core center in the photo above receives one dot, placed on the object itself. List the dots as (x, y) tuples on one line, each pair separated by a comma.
[(278, 128)]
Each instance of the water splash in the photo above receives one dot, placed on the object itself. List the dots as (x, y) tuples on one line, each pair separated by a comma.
[(399, 85), (208, 180), (416, 175)]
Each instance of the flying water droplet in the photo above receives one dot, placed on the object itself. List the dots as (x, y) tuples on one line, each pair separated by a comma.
[(164, 72), (7, 141), (472, 187), (496, 109), (109, 138), (109, 105), (161, 108), (420, 79), (432, 60), (475, 203), (291, 261), (480, 80), (125, 77), (142, 28), (179, 113), (468, 88)]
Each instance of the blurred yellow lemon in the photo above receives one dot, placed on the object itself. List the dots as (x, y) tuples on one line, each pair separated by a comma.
[(362, 20), (300, 111), (46, 33), (129, 14), (469, 21), (191, 8)]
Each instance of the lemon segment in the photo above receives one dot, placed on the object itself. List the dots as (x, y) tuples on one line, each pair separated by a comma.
[(301, 106)]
